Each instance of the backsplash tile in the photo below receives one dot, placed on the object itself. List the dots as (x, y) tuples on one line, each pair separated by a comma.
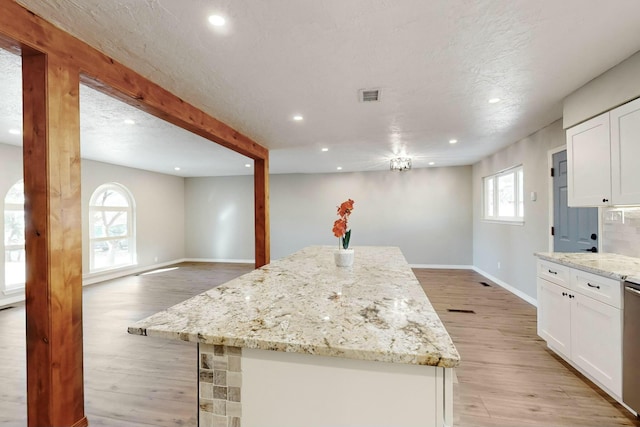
[(621, 231)]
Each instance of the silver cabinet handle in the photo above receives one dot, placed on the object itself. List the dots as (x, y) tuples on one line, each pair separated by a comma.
[(593, 286), (635, 291)]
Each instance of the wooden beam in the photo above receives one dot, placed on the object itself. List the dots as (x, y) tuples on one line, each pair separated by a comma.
[(53, 232), (108, 75), (261, 206)]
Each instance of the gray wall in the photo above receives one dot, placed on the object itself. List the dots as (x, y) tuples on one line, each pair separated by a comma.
[(426, 212), (219, 218), (159, 201), (513, 245), (614, 87), (10, 173), (160, 217)]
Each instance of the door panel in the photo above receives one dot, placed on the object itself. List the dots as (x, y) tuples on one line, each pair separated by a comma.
[(573, 227)]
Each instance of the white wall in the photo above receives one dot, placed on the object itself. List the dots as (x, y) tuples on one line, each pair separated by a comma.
[(426, 212), (513, 245)]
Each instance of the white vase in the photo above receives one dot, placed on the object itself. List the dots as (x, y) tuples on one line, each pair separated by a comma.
[(343, 257)]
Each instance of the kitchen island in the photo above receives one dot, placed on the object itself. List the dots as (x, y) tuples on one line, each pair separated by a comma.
[(301, 342)]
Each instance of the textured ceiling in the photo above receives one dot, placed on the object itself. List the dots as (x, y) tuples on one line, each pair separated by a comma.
[(437, 62)]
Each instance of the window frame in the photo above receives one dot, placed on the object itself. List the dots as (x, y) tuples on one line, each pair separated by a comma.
[(15, 207), (129, 210), (491, 196)]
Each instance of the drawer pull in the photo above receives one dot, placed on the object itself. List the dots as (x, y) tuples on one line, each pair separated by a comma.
[(593, 286), (553, 272)]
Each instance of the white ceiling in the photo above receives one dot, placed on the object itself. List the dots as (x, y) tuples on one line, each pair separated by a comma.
[(437, 62)]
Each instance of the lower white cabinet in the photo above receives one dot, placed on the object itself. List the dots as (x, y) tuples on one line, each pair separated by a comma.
[(554, 316), (596, 340), (583, 330)]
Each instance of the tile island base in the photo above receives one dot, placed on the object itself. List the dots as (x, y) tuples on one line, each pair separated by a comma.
[(302, 342), (262, 388)]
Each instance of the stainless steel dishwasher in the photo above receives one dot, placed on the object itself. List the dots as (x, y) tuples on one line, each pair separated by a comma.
[(631, 345)]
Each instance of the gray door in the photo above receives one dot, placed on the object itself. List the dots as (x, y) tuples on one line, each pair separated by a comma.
[(575, 229)]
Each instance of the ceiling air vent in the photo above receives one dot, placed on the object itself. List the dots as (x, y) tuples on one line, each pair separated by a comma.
[(369, 95)]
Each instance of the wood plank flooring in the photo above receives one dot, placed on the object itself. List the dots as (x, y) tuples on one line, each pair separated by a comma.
[(507, 377)]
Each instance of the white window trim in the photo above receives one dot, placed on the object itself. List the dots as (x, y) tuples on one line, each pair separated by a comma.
[(518, 198), (14, 288), (131, 226)]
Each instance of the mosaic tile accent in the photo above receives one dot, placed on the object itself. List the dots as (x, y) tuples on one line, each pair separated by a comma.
[(220, 384)]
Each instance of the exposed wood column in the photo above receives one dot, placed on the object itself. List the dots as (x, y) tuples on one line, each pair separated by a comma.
[(261, 204), (55, 386)]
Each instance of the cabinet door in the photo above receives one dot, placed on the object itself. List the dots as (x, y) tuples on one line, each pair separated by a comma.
[(596, 341), (625, 152), (589, 163), (554, 316)]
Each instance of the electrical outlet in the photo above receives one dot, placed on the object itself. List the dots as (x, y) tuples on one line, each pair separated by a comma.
[(155, 259), (498, 265)]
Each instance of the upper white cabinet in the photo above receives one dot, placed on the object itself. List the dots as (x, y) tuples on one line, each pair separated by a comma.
[(589, 162), (625, 152), (600, 154)]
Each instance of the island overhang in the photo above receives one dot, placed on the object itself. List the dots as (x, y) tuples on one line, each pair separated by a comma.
[(374, 311)]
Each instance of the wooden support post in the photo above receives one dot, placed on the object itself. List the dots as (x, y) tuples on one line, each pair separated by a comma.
[(55, 386), (261, 203)]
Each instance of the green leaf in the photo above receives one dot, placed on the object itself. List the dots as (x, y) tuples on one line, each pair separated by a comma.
[(345, 239)]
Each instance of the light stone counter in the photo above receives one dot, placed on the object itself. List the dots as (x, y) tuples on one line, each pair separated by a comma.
[(374, 311), (614, 266)]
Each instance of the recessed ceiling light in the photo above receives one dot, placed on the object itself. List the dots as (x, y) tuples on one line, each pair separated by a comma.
[(14, 131), (453, 141), (494, 100), (325, 149), (339, 168), (432, 163), (217, 20), (176, 168), (298, 117), (247, 165), (130, 122)]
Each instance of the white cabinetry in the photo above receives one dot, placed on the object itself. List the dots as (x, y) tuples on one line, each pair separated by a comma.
[(596, 340), (600, 154), (625, 152), (581, 320), (589, 162), (554, 316)]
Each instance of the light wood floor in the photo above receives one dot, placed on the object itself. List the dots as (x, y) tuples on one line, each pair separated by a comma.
[(507, 377)]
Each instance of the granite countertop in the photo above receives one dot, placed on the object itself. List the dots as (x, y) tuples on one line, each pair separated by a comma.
[(375, 310), (614, 266)]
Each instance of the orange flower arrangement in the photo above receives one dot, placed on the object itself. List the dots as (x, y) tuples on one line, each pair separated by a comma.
[(341, 224)]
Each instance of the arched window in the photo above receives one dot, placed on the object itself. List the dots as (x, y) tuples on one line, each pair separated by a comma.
[(112, 240), (14, 256)]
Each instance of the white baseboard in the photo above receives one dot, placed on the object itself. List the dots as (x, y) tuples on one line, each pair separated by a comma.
[(90, 279), (516, 292), (443, 266), (11, 300), (231, 261)]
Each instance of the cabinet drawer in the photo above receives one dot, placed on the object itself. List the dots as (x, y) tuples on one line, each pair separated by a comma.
[(597, 287), (555, 273)]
